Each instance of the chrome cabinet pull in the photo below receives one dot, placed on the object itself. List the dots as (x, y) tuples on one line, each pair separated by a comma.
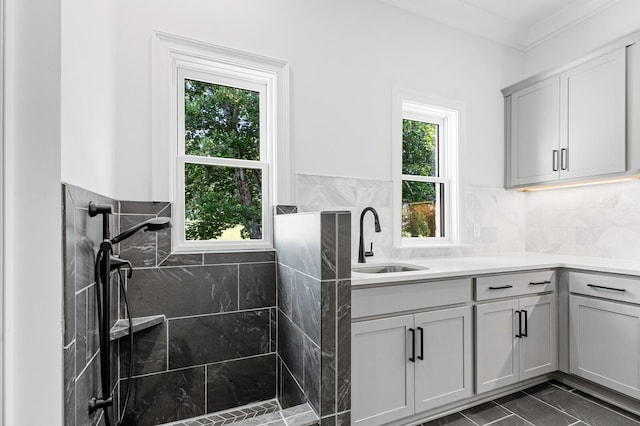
[(555, 160)]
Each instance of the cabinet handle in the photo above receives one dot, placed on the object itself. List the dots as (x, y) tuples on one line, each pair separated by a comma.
[(501, 287), (421, 357), (519, 324), (526, 324), (563, 158), (412, 358), (540, 283), (555, 160), (606, 288)]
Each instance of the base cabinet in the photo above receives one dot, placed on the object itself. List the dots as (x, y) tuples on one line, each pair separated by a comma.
[(411, 363), (604, 343), (516, 340)]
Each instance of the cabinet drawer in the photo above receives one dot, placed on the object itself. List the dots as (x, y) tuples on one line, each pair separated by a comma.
[(407, 297), (614, 287), (509, 285)]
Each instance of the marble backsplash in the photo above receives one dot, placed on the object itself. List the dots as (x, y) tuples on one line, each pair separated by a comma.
[(598, 220), (498, 216)]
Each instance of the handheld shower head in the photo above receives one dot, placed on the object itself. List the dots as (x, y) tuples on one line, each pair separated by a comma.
[(155, 224)]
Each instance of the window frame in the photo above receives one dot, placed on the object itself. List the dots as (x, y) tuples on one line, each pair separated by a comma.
[(173, 59), (446, 113)]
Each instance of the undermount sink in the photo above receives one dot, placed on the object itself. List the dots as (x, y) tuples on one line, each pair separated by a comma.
[(386, 269)]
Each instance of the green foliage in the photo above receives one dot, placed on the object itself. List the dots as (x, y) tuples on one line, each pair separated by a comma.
[(222, 121), (419, 148), (419, 158)]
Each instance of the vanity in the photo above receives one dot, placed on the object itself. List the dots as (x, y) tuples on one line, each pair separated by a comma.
[(444, 334)]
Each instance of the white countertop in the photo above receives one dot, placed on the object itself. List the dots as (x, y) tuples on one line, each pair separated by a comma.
[(448, 267)]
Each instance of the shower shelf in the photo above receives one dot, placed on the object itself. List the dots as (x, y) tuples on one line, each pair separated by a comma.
[(121, 327)]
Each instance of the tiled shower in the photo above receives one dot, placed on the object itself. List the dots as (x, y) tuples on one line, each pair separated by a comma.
[(239, 327)]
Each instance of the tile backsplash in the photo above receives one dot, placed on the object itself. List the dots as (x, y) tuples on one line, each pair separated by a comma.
[(598, 220), (498, 215)]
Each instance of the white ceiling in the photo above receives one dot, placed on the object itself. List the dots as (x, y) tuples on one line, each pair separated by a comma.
[(519, 23)]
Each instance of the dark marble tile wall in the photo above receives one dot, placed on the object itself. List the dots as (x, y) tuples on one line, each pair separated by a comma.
[(217, 349), (314, 312), (81, 236)]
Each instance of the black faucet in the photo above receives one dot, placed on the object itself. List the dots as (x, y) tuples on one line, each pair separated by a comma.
[(361, 253)]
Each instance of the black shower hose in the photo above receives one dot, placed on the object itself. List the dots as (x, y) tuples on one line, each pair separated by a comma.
[(106, 386)]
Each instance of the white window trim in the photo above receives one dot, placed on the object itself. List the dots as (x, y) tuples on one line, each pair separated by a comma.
[(174, 54), (411, 105)]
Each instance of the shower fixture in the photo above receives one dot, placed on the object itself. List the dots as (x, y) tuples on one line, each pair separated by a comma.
[(106, 263)]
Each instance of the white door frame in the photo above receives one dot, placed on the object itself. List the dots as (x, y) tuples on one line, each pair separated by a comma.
[(2, 171)]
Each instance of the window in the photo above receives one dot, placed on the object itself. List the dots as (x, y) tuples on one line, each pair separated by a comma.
[(425, 174), (227, 129), (222, 160)]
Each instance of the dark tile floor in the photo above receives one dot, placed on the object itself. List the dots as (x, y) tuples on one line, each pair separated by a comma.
[(548, 404)]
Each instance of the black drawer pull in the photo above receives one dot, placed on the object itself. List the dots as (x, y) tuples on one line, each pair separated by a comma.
[(526, 324), (519, 324), (501, 287), (540, 283), (606, 288), (412, 358), (421, 356)]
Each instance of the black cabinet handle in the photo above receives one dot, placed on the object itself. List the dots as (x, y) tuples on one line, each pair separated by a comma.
[(412, 358), (501, 287), (540, 283), (526, 324), (421, 357), (563, 159), (606, 288), (519, 324)]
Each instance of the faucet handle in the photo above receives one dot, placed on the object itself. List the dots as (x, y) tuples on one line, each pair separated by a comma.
[(370, 252)]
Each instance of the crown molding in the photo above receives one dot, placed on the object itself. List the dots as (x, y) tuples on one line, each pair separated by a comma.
[(492, 26)]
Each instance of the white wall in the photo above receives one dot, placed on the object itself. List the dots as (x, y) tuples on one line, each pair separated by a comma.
[(345, 58), (33, 245), (614, 22), (89, 95)]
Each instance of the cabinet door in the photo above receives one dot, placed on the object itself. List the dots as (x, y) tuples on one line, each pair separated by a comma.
[(443, 341), (382, 375), (497, 361), (535, 134), (539, 348), (604, 343), (592, 117)]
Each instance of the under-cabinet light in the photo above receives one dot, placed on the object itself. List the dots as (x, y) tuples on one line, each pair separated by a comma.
[(577, 184)]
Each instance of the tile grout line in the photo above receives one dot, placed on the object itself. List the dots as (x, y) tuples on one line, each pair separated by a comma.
[(555, 408), (335, 307), (200, 365), (463, 415), (605, 407), (512, 412), (497, 420)]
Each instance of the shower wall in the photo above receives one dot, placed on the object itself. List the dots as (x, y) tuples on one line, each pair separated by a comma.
[(216, 350), (81, 236), (314, 312)]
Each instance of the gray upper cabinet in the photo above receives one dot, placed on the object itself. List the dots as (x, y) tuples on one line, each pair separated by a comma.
[(592, 117), (535, 132), (569, 126)]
